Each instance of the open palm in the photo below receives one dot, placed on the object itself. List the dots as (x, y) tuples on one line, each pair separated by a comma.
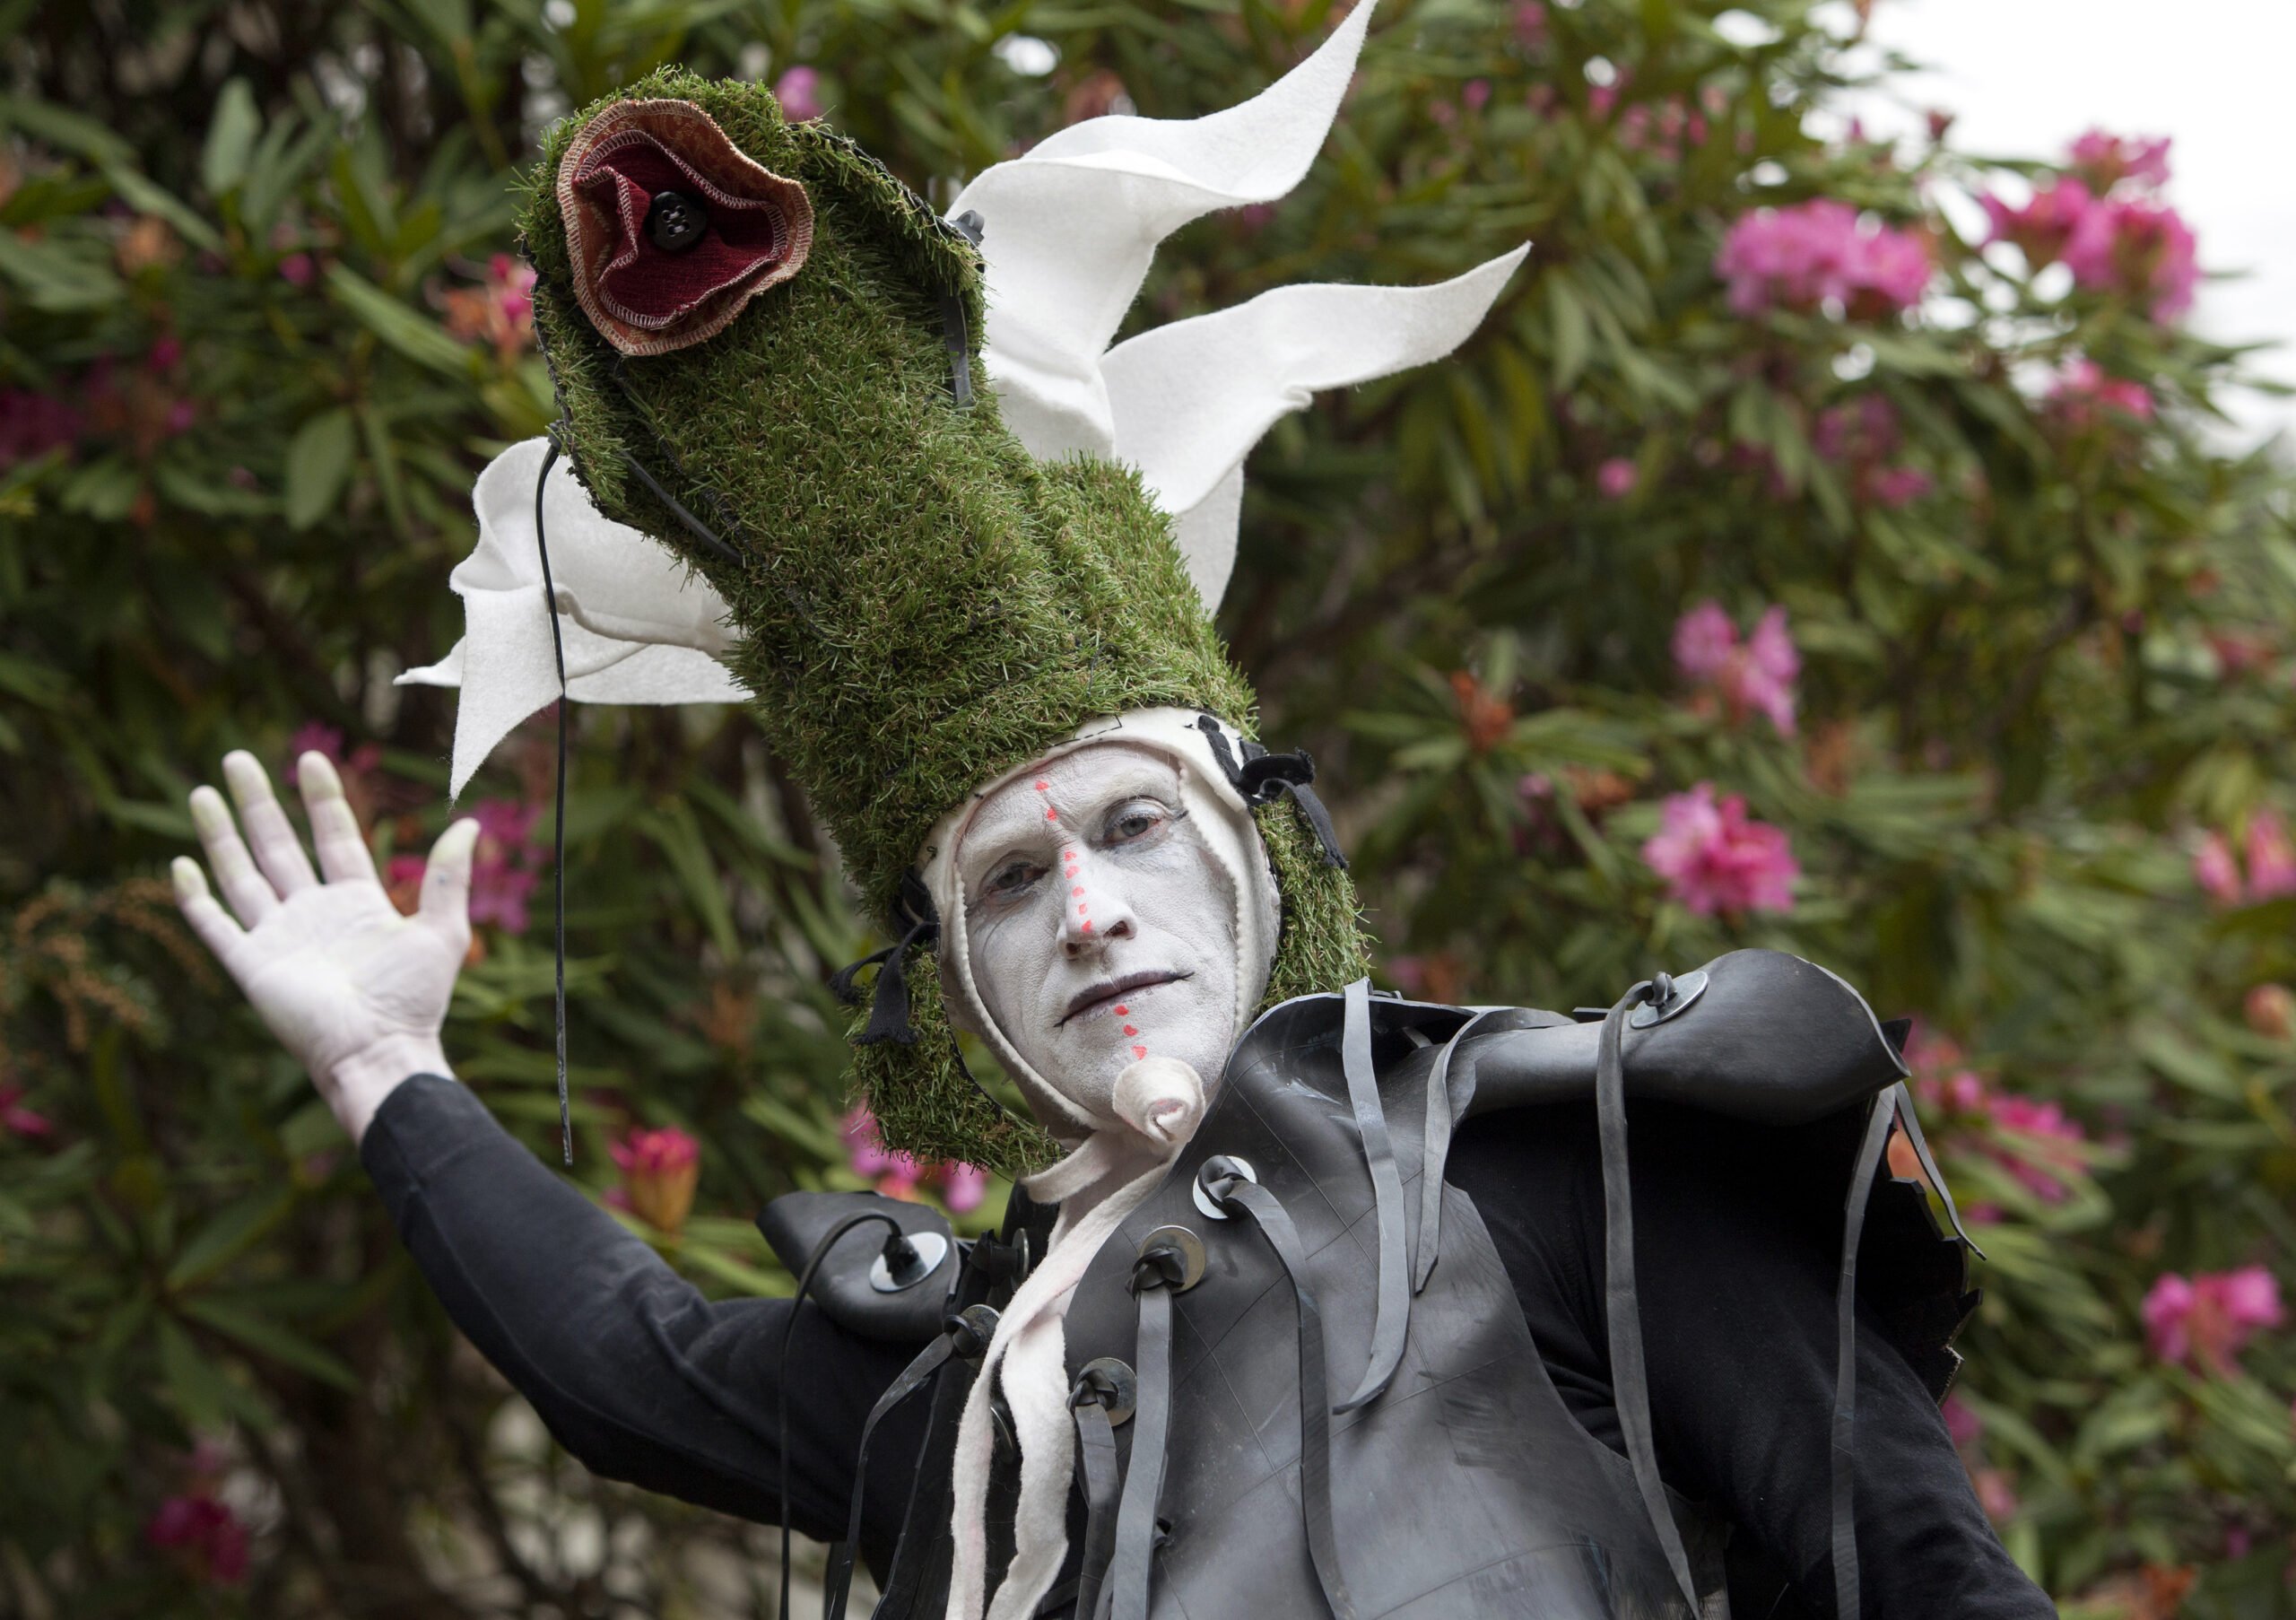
[(353, 989)]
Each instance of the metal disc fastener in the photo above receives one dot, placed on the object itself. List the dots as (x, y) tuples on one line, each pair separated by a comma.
[(1216, 1168), (1179, 1241), (1674, 1001), (926, 1250), (1113, 1384)]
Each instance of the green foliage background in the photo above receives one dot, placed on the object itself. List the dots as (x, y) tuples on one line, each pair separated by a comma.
[(2021, 706)]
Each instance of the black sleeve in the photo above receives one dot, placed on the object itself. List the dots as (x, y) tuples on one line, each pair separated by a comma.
[(1736, 1281), (637, 1374)]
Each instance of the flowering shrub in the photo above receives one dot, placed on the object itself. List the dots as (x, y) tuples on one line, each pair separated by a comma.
[(2004, 636), (962, 1187)]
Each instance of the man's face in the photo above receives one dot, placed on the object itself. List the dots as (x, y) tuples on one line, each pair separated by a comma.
[(1099, 927)]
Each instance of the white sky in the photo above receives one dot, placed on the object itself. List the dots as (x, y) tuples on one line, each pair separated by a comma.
[(2025, 76)]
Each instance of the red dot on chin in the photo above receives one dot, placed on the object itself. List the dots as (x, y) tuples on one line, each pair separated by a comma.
[(1051, 814), (1130, 1031), (1140, 1051), (1121, 1010), (1043, 786)]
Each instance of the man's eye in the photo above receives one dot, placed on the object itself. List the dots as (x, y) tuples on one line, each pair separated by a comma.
[(1134, 820), (1013, 876)]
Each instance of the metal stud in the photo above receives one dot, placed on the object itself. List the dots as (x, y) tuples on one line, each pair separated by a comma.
[(919, 1256), (1110, 1383), (1217, 1168), (1172, 1243)]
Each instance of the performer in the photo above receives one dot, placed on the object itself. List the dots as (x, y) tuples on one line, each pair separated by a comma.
[(1312, 1299)]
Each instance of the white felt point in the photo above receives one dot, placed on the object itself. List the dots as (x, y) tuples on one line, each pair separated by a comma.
[(1162, 1099)]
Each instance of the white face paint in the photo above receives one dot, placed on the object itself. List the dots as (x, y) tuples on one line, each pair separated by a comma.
[(1100, 927)]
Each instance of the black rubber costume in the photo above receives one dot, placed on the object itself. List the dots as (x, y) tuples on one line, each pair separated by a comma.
[(1345, 1384)]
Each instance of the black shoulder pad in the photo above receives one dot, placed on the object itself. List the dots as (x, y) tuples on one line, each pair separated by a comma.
[(794, 1225), (1756, 1034)]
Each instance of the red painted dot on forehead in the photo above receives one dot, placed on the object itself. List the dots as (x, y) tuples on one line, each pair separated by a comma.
[(1082, 911), (1087, 925)]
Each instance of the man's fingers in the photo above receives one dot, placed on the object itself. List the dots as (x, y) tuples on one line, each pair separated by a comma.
[(251, 898), (209, 921), (278, 852), (446, 881), (344, 855)]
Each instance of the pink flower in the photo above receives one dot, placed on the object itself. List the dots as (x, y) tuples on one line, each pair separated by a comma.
[(1715, 860), (299, 269), (2084, 390), (499, 311), (204, 1537), (799, 91), (2216, 872), (659, 1171), (1601, 99), (2043, 226), (17, 1119), (32, 425), (1965, 1426), (2104, 161), (1757, 678), (2272, 864), (503, 874), (1821, 252), (1475, 94), (865, 1152), (1996, 1495), (2041, 1159), (1530, 24), (2270, 1010), (1615, 477), (1896, 486), (2138, 249), (2206, 1321), (963, 1187)]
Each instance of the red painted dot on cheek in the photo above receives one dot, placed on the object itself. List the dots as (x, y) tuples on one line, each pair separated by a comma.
[(1122, 1011), (1078, 891), (1130, 1031), (1140, 1051), (1051, 814), (1043, 786)]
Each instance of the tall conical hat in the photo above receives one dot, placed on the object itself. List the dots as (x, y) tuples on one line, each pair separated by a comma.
[(923, 567)]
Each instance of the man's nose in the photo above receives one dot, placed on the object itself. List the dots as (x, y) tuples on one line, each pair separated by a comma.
[(1093, 912)]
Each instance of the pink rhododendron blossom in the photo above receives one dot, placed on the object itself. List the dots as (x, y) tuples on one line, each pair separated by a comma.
[(1819, 252), (2138, 249), (2084, 390), (1475, 94), (1755, 678), (1615, 477), (2270, 1010), (963, 1187), (17, 1119), (799, 91), (1530, 23), (2272, 864), (2215, 870), (660, 1169), (32, 425), (1862, 435), (203, 1535), (2043, 226), (499, 311), (1897, 486), (1996, 1495), (897, 1175), (1965, 1426), (2105, 161), (1715, 860), (2204, 1321), (2041, 1158)]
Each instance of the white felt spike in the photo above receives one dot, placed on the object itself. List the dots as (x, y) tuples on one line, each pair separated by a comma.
[(639, 627), (1189, 400), (1071, 226)]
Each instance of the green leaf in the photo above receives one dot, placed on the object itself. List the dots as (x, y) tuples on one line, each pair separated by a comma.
[(230, 138), (416, 337), (268, 1337), (56, 278), (319, 466), (233, 1231)]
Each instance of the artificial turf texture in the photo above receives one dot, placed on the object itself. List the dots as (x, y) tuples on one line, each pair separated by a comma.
[(926, 606)]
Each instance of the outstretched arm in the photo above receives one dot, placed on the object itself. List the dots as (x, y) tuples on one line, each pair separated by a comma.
[(635, 1372), (638, 1375)]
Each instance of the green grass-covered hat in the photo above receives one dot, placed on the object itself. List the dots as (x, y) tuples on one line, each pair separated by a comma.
[(766, 357)]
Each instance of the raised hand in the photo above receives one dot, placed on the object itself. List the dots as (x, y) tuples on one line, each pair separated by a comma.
[(353, 989)]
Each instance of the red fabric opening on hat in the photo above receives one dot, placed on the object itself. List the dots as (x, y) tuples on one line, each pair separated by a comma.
[(647, 286)]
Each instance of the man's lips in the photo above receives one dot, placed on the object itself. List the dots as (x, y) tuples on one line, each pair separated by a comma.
[(1099, 995)]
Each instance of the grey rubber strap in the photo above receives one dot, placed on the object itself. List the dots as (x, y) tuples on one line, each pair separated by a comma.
[(1144, 1481), (1435, 1153), (1870, 1154), (1393, 1322), (1630, 1378)]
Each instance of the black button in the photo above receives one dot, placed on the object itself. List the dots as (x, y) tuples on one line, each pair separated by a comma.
[(675, 221)]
